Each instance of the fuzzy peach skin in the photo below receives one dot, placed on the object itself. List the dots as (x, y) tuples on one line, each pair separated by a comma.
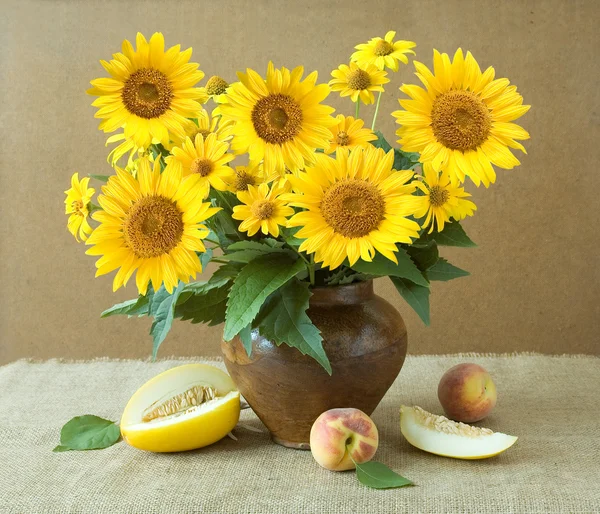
[(338, 434), (467, 393)]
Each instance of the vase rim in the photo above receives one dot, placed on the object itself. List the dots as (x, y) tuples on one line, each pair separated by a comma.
[(346, 294)]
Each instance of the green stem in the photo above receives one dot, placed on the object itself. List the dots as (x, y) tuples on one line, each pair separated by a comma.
[(376, 111), (212, 241), (357, 107), (219, 261), (223, 199), (311, 270)]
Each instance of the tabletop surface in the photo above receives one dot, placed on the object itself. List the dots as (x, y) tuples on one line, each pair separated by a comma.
[(550, 402)]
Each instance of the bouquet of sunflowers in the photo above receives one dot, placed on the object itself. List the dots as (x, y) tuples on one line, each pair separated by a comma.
[(315, 200)]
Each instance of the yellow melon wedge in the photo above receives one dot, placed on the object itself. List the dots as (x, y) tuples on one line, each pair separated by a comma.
[(174, 411), (439, 435)]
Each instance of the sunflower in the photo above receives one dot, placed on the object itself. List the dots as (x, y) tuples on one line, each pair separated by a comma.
[(355, 204), (280, 120), (358, 81), (251, 175), (442, 200), (152, 224), (77, 204), (150, 92), (383, 52), (462, 119), (207, 158), (262, 209), (349, 133)]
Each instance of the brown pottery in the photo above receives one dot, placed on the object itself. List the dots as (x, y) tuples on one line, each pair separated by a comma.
[(365, 339)]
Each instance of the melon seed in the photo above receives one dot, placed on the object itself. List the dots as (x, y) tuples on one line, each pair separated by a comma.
[(180, 403)]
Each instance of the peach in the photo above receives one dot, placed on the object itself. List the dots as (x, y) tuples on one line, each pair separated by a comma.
[(340, 435), (467, 393)]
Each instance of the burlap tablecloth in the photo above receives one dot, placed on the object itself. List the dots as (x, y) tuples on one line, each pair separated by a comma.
[(551, 403)]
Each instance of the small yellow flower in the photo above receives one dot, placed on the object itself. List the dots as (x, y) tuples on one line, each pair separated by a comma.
[(383, 52), (251, 175), (126, 146), (358, 81), (205, 157), (216, 86), (262, 209), (205, 124), (349, 133), (442, 200), (77, 206)]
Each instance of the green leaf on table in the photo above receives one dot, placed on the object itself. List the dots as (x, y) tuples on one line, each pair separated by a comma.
[(452, 235), (415, 295), (255, 282), (424, 256), (207, 306), (379, 476), (444, 271), (88, 433), (382, 267), (381, 142), (101, 178), (283, 319), (135, 307), (162, 308)]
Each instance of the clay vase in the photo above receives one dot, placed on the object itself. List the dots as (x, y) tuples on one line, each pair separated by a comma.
[(365, 340)]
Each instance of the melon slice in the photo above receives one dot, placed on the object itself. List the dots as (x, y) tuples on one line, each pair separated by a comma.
[(184, 408), (442, 436)]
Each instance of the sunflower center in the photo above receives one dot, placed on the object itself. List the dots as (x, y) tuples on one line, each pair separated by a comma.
[(353, 208), (460, 120), (153, 226), (277, 118), (343, 139), (438, 196), (243, 180), (359, 79), (147, 93), (203, 167), (263, 209), (382, 47)]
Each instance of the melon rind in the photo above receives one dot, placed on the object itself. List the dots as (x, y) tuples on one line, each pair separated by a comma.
[(203, 425), (454, 445)]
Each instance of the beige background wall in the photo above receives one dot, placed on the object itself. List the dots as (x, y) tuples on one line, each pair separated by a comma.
[(535, 282)]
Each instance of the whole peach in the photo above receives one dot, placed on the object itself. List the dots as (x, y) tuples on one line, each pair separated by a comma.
[(340, 435), (467, 393)]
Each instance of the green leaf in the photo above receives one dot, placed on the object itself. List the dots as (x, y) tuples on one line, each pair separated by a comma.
[(61, 448), (444, 271), (452, 235), (164, 313), (424, 256), (205, 307), (381, 142), (246, 337), (135, 307), (205, 258), (283, 319), (246, 251), (219, 278), (101, 178), (379, 476), (416, 296), (257, 280), (88, 433), (382, 266), (289, 236), (405, 160)]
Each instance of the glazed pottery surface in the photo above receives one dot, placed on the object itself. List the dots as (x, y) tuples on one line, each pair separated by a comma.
[(365, 339)]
